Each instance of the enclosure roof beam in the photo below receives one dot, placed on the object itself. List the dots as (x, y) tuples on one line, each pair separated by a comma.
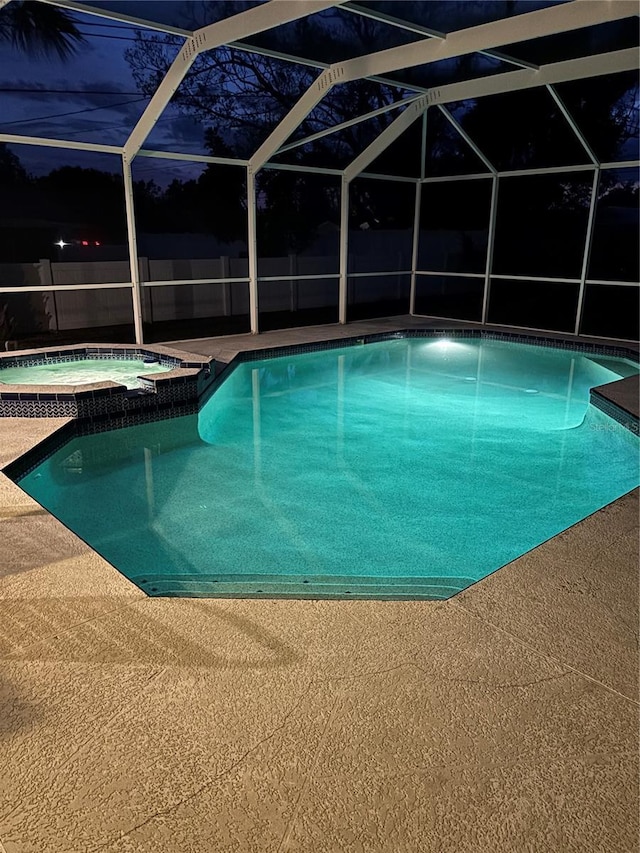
[(298, 167), (321, 66), (191, 158), (343, 125), (556, 72), (572, 124), (246, 47), (569, 16), (401, 24), (388, 135), (13, 139), (237, 45), (573, 15), (314, 94), (47, 142), (463, 133), (179, 31), (247, 23), (398, 23)]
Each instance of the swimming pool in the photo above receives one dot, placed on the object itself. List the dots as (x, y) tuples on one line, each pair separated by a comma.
[(408, 468)]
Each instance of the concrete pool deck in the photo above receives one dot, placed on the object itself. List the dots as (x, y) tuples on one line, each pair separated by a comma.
[(503, 719)]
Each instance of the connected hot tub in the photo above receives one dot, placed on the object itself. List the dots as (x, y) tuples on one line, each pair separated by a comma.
[(102, 382)]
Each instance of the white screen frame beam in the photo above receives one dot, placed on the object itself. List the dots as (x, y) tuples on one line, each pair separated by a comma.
[(573, 15), (252, 21)]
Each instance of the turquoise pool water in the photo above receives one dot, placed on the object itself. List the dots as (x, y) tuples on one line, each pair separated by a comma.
[(405, 468), (81, 372)]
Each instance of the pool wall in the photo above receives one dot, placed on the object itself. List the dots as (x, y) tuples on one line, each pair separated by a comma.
[(602, 401), (108, 405)]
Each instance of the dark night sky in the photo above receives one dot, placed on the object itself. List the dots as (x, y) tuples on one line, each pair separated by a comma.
[(79, 110)]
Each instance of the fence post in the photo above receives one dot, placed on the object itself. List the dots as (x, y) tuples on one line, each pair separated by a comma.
[(146, 293), (293, 285), (46, 277), (225, 270)]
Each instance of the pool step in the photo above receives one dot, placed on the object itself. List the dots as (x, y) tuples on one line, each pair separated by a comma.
[(616, 365), (305, 586)]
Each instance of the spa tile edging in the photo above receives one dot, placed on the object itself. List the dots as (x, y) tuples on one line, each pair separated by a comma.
[(187, 379)]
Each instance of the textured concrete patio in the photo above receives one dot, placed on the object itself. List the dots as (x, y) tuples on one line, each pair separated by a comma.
[(505, 719)]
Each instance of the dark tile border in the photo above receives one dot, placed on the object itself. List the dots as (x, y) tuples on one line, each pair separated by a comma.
[(40, 452), (515, 337), (615, 412), (106, 422)]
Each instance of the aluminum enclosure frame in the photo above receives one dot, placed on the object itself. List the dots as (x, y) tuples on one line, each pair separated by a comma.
[(435, 46)]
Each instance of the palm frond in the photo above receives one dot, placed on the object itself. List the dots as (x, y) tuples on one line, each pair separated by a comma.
[(39, 29)]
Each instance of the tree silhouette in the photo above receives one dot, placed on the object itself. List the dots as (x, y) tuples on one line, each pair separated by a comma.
[(12, 172), (39, 29)]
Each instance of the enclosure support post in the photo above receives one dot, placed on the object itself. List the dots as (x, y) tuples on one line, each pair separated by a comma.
[(490, 245), (133, 250), (414, 251), (344, 251), (416, 215), (252, 248), (587, 250)]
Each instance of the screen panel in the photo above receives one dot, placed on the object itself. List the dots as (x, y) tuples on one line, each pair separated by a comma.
[(377, 296), (611, 311), (615, 246), (533, 304), (454, 297), (454, 226), (180, 312), (298, 223), (541, 224), (381, 217), (287, 303)]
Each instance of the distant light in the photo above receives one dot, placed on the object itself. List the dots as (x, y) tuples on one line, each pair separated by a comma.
[(97, 243), (61, 243), (85, 242)]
